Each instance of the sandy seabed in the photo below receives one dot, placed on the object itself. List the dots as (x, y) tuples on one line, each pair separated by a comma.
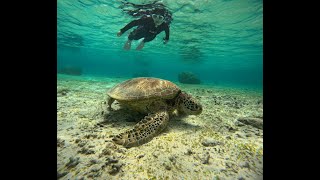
[(224, 142)]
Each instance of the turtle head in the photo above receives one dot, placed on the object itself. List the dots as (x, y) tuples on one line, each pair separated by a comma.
[(188, 104)]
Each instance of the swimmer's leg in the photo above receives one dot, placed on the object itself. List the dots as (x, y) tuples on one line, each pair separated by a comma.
[(134, 35), (147, 38), (140, 46), (127, 45)]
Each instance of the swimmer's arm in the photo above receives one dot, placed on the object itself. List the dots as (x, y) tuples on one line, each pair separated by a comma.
[(167, 31), (132, 24)]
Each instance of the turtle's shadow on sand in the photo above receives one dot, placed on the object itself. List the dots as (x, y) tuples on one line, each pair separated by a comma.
[(126, 118)]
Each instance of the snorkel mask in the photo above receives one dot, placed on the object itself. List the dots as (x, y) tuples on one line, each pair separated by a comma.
[(158, 19)]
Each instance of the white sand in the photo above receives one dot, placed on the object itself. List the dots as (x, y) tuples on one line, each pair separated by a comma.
[(180, 152)]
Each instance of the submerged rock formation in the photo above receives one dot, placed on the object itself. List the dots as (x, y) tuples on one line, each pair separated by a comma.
[(188, 78), (252, 121)]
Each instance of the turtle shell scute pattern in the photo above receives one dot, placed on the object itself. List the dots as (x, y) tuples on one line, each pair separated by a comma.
[(144, 88)]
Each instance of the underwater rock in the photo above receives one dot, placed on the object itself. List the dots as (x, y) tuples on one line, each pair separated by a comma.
[(73, 162), (115, 168), (62, 91), (110, 160), (86, 151), (260, 101), (210, 142), (95, 168), (205, 159), (255, 122), (156, 154), (122, 150), (81, 143), (189, 152), (76, 71), (60, 175), (173, 159), (238, 123), (240, 135), (231, 129), (140, 156), (244, 164), (60, 142), (259, 134), (94, 161), (105, 152), (167, 166), (188, 78), (88, 136)]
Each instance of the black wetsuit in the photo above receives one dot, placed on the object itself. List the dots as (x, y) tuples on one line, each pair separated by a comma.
[(146, 28)]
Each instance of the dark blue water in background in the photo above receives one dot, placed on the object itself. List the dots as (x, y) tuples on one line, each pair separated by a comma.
[(218, 41)]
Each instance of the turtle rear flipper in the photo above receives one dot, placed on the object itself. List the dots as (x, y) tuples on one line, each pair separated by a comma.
[(144, 131)]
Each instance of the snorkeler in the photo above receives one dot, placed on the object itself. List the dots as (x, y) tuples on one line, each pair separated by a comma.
[(148, 28)]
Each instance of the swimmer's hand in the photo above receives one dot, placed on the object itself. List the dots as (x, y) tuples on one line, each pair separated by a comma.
[(165, 41), (119, 33)]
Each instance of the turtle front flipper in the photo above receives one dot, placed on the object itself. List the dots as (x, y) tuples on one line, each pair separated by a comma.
[(144, 131), (110, 101)]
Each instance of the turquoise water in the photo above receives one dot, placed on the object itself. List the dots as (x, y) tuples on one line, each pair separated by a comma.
[(220, 41)]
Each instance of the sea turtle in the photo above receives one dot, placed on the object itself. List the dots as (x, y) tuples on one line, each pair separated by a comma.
[(157, 99)]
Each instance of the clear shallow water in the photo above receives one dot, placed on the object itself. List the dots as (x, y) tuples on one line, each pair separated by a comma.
[(219, 41)]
